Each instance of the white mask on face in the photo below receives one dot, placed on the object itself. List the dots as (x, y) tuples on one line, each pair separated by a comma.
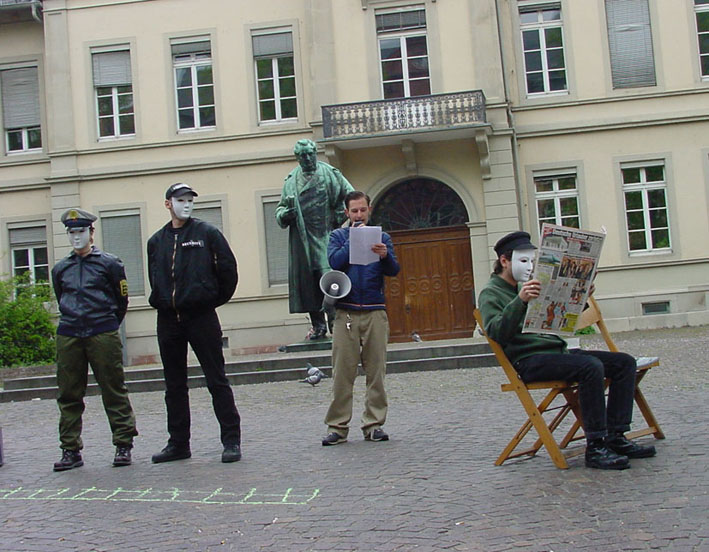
[(522, 264), (79, 238), (182, 206)]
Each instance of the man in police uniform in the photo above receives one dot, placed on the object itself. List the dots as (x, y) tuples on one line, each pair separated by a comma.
[(92, 293)]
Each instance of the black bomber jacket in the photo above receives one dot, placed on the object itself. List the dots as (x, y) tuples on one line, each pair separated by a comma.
[(191, 269), (92, 293)]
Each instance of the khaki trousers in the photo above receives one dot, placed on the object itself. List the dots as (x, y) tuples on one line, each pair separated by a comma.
[(359, 336)]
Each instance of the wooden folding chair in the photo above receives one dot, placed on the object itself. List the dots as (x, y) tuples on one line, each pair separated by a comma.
[(535, 412), (569, 392), (592, 315)]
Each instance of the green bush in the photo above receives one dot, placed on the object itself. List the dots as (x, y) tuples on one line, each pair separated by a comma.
[(26, 328)]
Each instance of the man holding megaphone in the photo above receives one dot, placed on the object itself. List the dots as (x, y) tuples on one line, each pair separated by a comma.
[(361, 328)]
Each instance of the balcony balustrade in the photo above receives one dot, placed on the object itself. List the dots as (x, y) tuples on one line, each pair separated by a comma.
[(405, 115)]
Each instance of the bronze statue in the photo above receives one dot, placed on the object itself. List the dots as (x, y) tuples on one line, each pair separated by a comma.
[(311, 206)]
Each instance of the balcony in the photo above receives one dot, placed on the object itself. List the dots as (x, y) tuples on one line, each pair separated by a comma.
[(20, 11), (446, 115)]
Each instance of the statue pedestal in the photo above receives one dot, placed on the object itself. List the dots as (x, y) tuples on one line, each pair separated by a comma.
[(316, 345)]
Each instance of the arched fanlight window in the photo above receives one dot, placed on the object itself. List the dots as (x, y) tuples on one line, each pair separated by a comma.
[(419, 203)]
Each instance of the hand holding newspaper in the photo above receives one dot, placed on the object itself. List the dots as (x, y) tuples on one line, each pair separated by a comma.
[(566, 264)]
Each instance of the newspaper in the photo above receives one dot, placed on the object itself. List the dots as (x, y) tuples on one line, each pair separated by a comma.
[(565, 264)]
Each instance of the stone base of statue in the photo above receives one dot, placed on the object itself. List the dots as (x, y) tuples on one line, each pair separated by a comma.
[(324, 344)]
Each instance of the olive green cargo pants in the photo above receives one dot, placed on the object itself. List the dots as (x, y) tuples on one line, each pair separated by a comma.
[(104, 353)]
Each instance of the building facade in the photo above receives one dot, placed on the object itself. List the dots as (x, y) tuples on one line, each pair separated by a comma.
[(462, 119)]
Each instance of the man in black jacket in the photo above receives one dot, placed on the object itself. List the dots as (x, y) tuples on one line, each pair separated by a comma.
[(192, 271), (92, 293)]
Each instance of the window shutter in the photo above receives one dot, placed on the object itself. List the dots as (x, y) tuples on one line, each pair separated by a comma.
[(272, 44), (121, 237), (20, 98), (199, 47), (28, 236), (112, 68), (212, 215), (276, 246), (630, 43)]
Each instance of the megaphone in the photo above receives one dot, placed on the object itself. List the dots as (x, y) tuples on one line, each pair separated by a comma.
[(335, 285)]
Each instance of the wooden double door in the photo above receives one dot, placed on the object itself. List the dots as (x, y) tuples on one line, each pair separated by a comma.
[(433, 294)]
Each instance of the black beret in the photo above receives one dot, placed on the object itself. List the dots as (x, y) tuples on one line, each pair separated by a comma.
[(512, 241)]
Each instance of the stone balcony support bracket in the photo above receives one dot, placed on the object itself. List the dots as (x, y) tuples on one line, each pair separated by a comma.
[(484, 152)]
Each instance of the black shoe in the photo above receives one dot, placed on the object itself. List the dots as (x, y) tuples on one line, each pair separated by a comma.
[(600, 457), (70, 459), (619, 444), (232, 453), (376, 435), (122, 457), (170, 453), (333, 439)]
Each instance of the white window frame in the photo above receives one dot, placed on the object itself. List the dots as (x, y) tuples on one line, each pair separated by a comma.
[(30, 248), (265, 197), (701, 8), (402, 35), (192, 61), (644, 187), (540, 26), (115, 94), (23, 130), (556, 195), (115, 115), (275, 78)]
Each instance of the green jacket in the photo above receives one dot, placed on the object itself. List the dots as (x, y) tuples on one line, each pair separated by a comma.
[(503, 314)]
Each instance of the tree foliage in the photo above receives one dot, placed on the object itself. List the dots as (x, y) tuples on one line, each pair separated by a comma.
[(26, 328)]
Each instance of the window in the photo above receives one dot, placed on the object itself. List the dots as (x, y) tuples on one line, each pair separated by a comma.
[(630, 43), (194, 85), (20, 109), (276, 246), (645, 194), (275, 76), (120, 231), (702, 9), (557, 200), (29, 252), (210, 212), (403, 53), (114, 94), (543, 46)]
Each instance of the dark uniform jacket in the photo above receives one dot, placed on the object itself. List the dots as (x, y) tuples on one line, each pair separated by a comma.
[(191, 269), (92, 293), (367, 291)]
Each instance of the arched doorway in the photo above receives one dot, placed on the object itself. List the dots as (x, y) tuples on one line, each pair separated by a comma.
[(433, 294)]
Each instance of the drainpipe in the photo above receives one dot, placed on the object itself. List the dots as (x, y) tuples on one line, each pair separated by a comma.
[(36, 6), (522, 213)]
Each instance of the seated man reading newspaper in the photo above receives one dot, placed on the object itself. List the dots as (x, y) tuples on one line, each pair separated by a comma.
[(541, 357)]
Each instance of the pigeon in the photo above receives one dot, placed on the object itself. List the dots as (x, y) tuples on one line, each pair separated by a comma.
[(416, 337), (312, 380), (313, 371)]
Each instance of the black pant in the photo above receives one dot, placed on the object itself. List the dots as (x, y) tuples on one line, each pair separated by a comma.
[(204, 334), (589, 369)]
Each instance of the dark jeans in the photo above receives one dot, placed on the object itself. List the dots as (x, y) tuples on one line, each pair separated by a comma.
[(589, 368), (204, 334)]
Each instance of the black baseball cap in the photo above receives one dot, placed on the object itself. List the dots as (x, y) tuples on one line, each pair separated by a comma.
[(178, 190)]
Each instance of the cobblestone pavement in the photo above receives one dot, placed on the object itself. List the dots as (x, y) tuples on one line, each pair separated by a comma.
[(432, 487)]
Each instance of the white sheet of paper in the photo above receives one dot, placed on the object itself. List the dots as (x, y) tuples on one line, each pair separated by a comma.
[(362, 238)]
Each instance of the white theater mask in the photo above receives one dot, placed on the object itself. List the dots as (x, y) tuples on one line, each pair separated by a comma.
[(522, 264), (79, 237), (182, 206)]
